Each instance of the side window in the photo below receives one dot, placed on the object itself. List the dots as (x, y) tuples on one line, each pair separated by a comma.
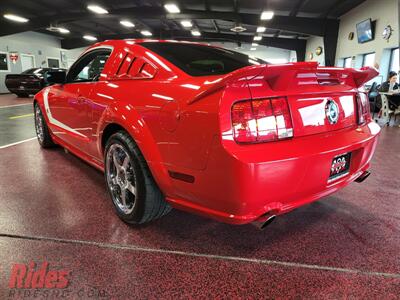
[(89, 67)]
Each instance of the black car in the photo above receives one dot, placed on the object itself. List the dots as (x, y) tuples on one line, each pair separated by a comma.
[(28, 82)]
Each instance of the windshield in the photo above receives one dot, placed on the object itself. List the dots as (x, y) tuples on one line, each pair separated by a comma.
[(201, 60)]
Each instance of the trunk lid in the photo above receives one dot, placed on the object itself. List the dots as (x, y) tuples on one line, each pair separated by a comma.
[(320, 99)]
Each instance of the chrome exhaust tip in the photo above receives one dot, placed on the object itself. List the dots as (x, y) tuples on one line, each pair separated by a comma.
[(266, 220), (363, 176)]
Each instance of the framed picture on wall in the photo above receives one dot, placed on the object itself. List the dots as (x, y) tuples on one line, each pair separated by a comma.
[(4, 62)]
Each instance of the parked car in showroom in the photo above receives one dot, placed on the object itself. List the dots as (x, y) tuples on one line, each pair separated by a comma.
[(28, 82), (208, 130)]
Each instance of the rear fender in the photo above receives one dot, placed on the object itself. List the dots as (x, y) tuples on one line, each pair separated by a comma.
[(139, 131)]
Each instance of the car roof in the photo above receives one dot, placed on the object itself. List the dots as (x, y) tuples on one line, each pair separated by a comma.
[(125, 42)]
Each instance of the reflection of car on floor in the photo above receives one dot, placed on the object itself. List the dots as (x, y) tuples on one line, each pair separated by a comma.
[(208, 130), (28, 82)]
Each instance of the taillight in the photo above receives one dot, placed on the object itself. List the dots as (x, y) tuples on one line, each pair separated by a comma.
[(363, 108), (256, 121)]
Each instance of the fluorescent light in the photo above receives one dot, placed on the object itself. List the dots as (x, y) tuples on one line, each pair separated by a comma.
[(90, 37), (252, 49), (127, 23), (267, 15), (258, 38), (186, 23), (63, 30), (97, 9), (15, 18), (261, 29), (196, 32), (254, 45), (146, 33), (172, 8)]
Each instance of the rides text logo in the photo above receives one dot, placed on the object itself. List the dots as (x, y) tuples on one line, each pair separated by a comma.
[(31, 277)]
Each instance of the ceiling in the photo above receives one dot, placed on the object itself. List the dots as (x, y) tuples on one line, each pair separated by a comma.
[(293, 22)]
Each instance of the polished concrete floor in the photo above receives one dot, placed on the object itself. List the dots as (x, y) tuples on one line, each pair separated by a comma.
[(55, 208)]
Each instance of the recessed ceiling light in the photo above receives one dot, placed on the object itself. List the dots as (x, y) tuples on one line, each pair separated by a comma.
[(254, 45), (15, 18), (58, 29), (238, 28), (63, 30), (196, 33), (90, 37), (186, 23), (267, 15), (258, 38), (172, 8), (261, 29), (127, 23), (97, 9), (146, 33), (252, 49)]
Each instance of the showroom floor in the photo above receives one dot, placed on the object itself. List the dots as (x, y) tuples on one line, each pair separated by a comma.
[(55, 208)]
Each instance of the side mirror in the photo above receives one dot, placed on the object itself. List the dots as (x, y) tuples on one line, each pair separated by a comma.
[(52, 77)]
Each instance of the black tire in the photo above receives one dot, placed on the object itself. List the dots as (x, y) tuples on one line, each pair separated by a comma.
[(22, 95), (148, 202), (45, 139)]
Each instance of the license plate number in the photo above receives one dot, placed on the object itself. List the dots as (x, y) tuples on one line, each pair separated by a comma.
[(340, 166)]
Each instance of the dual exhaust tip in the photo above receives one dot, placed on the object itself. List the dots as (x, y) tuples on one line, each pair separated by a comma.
[(363, 176), (267, 219), (264, 221)]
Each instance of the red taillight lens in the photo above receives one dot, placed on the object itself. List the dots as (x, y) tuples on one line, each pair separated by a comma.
[(244, 123), (261, 120), (363, 108)]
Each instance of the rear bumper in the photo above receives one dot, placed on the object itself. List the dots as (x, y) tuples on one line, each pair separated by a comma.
[(242, 183)]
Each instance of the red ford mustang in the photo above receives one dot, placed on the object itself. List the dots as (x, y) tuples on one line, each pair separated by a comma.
[(207, 130)]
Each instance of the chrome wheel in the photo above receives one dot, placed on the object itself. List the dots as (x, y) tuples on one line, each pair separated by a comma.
[(121, 178), (39, 124)]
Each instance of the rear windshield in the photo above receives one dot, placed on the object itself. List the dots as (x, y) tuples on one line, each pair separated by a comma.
[(201, 60)]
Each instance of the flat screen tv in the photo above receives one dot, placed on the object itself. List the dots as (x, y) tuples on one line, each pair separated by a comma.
[(365, 31)]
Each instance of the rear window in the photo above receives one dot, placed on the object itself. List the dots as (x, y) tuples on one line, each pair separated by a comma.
[(200, 60)]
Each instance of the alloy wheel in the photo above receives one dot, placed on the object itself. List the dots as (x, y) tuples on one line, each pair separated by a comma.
[(121, 178), (39, 124)]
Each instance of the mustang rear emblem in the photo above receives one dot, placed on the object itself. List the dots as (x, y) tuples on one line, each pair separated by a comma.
[(332, 111)]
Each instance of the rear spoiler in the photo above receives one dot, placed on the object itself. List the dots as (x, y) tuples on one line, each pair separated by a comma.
[(283, 77), (292, 75)]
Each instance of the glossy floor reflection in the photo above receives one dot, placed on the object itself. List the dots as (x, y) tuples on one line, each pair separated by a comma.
[(54, 207)]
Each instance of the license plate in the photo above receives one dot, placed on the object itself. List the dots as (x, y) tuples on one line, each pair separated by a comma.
[(22, 87), (340, 166)]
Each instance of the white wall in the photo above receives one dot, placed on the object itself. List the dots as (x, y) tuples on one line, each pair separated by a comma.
[(384, 12), (41, 46), (37, 44), (312, 44)]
